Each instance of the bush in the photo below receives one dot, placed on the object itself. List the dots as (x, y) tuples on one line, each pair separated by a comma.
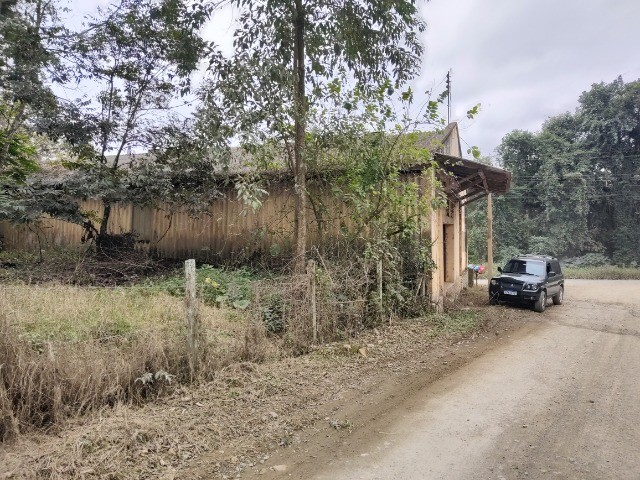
[(506, 253), (216, 286), (272, 308), (588, 260), (605, 272)]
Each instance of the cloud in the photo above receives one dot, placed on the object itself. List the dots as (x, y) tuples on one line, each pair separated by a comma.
[(523, 60), (527, 60)]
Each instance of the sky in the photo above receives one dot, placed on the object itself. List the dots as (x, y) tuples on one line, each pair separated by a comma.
[(523, 60)]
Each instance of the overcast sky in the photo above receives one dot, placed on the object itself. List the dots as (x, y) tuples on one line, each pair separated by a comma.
[(523, 60)]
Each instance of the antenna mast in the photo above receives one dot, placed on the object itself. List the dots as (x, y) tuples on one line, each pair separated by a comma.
[(449, 97)]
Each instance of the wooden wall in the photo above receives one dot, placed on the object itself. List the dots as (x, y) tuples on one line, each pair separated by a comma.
[(229, 230)]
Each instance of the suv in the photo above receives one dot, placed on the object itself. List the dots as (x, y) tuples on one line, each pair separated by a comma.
[(528, 279)]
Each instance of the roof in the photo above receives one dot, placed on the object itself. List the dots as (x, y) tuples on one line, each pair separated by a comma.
[(463, 180), (529, 256), (470, 180), (466, 180)]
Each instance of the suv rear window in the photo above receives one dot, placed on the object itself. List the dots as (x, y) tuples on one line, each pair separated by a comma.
[(527, 267)]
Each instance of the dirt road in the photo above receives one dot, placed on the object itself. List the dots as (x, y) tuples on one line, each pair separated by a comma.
[(559, 399)]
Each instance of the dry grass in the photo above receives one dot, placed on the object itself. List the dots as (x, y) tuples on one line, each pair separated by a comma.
[(72, 349), (605, 272), (67, 313), (67, 350), (224, 428)]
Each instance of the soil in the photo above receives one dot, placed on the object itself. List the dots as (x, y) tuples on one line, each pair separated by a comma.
[(509, 400), (558, 399)]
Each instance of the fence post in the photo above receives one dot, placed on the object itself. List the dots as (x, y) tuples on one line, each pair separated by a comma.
[(193, 321), (379, 275), (311, 271)]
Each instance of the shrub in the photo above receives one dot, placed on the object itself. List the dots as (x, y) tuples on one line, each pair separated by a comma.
[(605, 272), (588, 260), (216, 286), (272, 309)]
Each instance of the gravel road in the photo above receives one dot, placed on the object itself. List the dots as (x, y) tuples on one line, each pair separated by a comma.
[(560, 398)]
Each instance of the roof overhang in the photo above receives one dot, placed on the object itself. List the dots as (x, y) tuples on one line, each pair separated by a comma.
[(467, 181)]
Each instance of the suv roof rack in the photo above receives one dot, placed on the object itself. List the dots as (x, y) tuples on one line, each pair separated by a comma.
[(546, 257)]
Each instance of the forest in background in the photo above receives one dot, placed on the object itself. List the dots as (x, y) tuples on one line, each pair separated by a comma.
[(575, 190)]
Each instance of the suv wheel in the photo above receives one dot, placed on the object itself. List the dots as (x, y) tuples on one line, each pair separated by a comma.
[(558, 297), (541, 303)]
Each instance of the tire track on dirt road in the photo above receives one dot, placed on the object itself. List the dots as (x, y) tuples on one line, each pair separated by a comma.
[(559, 401)]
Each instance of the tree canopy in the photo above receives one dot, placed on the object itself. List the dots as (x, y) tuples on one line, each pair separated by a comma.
[(128, 66), (288, 53), (576, 183)]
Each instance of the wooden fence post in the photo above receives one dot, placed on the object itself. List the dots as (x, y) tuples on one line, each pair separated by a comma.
[(311, 271), (193, 321), (489, 237), (379, 274)]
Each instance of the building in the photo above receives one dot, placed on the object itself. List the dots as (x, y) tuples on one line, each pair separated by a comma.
[(231, 231)]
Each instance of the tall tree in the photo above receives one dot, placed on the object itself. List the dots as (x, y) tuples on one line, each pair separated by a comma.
[(288, 51), (138, 55), (609, 116), (29, 64), (576, 183), (133, 60)]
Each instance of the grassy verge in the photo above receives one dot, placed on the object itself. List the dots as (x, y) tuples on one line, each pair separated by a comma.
[(606, 272), (455, 323), (66, 350)]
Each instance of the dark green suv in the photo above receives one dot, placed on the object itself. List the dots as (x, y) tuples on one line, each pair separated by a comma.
[(530, 280)]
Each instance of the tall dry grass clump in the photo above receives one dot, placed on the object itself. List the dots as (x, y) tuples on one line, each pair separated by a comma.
[(345, 304), (344, 291), (42, 387), (65, 351)]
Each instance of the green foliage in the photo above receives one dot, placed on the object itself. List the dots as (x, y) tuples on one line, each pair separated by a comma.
[(386, 210), (19, 157), (575, 184), (216, 286), (135, 58), (588, 260), (476, 223), (288, 54), (272, 313)]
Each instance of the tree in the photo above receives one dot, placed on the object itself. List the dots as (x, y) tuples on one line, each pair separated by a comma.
[(287, 52), (138, 56), (575, 183), (609, 116), (28, 34), (134, 60)]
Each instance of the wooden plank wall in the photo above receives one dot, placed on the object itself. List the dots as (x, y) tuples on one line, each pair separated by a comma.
[(229, 230), (51, 232)]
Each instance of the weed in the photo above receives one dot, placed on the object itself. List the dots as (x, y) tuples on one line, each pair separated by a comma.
[(452, 323), (216, 286)]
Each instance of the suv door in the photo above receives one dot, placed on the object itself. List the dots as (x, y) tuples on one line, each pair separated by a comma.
[(554, 278)]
